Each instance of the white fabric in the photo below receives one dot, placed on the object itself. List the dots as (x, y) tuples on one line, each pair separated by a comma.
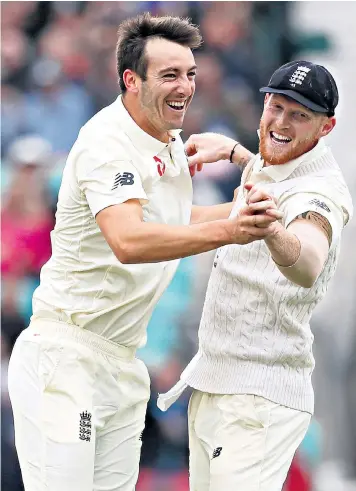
[(165, 400), (58, 372), (241, 442), (83, 283), (254, 335), (303, 202)]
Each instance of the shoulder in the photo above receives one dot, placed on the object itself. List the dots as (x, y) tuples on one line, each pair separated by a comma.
[(321, 200), (319, 189), (103, 137)]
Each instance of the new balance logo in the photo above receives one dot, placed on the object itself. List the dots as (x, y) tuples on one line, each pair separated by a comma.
[(217, 452), (321, 204), (124, 179), (85, 426)]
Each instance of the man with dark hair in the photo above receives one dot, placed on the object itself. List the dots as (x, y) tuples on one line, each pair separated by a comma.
[(253, 397), (124, 218), (134, 33)]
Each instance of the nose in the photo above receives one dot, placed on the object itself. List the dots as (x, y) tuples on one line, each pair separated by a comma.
[(185, 87), (283, 120)]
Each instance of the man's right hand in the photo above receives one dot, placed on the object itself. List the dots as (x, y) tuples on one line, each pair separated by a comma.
[(206, 148), (212, 147)]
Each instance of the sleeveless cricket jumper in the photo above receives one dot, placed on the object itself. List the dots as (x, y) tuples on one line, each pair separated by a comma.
[(255, 360), (78, 392)]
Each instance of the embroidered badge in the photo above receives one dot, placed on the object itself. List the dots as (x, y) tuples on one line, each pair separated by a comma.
[(85, 426)]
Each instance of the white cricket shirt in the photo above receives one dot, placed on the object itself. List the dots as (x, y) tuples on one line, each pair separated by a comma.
[(83, 283), (254, 335)]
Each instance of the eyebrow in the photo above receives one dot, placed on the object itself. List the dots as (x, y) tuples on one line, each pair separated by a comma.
[(303, 109), (174, 69)]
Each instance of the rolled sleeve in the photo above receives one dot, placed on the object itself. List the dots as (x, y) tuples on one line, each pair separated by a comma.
[(112, 183), (300, 203)]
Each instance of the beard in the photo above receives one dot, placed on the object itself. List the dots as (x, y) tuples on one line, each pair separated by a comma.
[(154, 111), (278, 155)]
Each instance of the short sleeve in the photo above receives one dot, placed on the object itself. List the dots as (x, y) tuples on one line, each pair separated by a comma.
[(299, 203), (112, 183)]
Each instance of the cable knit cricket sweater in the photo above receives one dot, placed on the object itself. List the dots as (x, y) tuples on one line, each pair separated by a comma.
[(254, 335)]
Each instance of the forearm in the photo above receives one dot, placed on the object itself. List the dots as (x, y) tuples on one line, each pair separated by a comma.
[(241, 156), (155, 242), (133, 240), (284, 247), (299, 257), (210, 213)]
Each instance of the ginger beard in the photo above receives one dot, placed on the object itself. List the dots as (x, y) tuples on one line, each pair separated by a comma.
[(279, 154)]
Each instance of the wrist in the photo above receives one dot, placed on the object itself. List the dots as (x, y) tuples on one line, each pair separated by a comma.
[(224, 233), (226, 148), (275, 235), (232, 153), (243, 156), (285, 247)]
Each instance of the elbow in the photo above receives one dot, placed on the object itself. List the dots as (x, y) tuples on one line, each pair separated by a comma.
[(307, 282), (312, 274), (301, 278), (125, 253), (129, 247)]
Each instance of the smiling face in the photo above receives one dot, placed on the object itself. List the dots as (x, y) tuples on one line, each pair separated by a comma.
[(169, 87), (288, 129)]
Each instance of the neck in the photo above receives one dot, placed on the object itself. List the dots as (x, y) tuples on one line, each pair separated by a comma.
[(135, 111)]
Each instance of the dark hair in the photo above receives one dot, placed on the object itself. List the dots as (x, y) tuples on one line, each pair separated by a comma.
[(134, 33)]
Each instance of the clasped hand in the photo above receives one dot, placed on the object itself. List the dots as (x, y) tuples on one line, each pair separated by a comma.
[(258, 219)]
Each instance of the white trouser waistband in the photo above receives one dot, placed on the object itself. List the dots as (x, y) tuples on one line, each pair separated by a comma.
[(60, 330)]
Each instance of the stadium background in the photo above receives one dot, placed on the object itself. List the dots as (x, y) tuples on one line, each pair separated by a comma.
[(58, 68)]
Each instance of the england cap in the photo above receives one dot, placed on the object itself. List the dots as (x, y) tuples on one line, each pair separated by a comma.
[(311, 85)]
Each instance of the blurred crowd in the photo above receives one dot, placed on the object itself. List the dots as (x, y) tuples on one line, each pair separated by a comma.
[(58, 69)]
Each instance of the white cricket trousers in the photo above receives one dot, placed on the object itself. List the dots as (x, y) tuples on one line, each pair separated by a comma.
[(79, 404), (241, 442)]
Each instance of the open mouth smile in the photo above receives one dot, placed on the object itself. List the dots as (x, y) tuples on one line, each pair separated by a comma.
[(279, 139), (176, 105)]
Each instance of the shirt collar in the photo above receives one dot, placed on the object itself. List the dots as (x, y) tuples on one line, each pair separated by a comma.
[(280, 172), (140, 139)]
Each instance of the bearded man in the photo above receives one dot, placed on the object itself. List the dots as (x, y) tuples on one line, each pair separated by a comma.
[(252, 395)]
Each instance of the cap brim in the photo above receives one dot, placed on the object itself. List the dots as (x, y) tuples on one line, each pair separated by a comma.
[(296, 97)]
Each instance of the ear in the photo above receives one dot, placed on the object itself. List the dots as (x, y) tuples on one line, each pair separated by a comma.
[(328, 126), (130, 79), (266, 99)]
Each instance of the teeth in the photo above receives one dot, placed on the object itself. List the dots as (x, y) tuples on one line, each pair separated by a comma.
[(281, 137), (179, 105)]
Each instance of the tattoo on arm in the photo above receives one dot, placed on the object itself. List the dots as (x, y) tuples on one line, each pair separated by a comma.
[(242, 156), (319, 220), (243, 161)]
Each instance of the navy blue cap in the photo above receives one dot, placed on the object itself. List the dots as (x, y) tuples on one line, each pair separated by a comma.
[(311, 85)]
